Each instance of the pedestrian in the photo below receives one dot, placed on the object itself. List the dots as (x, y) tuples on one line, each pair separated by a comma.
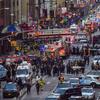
[(20, 84), (13, 74), (42, 83), (28, 86), (37, 87), (42, 70), (61, 78)]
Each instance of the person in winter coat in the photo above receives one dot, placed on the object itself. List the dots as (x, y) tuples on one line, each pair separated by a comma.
[(28, 86), (42, 83), (37, 87)]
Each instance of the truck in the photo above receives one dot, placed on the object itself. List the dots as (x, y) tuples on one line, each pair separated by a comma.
[(24, 72)]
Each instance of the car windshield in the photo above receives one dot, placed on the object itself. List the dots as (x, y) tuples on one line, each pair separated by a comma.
[(22, 71), (87, 90), (63, 85), (24, 64), (75, 58), (2, 69), (60, 91), (73, 29), (97, 58), (94, 73), (83, 41), (74, 80), (51, 99), (10, 87)]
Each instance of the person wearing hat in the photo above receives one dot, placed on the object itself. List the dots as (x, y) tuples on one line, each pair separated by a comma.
[(61, 78)]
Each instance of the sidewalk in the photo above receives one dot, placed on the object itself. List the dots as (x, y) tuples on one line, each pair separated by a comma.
[(24, 91)]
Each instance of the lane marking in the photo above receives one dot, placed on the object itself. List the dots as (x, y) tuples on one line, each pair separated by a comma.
[(48, 82)]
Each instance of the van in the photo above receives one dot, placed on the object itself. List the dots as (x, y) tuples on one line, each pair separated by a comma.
[(74, 28), (24, 72)]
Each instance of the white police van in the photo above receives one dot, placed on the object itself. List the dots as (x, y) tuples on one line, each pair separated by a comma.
[(24, 72)]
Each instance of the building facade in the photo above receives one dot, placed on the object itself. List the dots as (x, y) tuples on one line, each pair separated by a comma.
[(43, 8), (1, 12), (12, 11), (4, 10)]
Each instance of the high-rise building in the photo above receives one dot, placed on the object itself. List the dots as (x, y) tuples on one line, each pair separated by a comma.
[(19, 11), (1, 12), (12, 11), (43, 8), (34, 8), (4, 10)]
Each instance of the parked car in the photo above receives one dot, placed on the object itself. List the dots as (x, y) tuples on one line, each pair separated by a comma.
[(3, 73), (83, 42), (11, 90), (74, 82), (94, 73), (98, 98), (75, 91), (90, 81), (24, 72), (75, 98), (96, 59), (64, 85), (88, 93), (52, 97), (59, 91), (95, 78), (61, 88), (74, 28)]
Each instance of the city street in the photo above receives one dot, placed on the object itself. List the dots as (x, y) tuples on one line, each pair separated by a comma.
[(51, 83), (49, 49)]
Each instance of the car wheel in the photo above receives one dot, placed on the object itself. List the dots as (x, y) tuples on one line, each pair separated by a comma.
[(93, 85)]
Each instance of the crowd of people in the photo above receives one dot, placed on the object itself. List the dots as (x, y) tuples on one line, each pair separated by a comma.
[(60, 21), (47, 66)]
